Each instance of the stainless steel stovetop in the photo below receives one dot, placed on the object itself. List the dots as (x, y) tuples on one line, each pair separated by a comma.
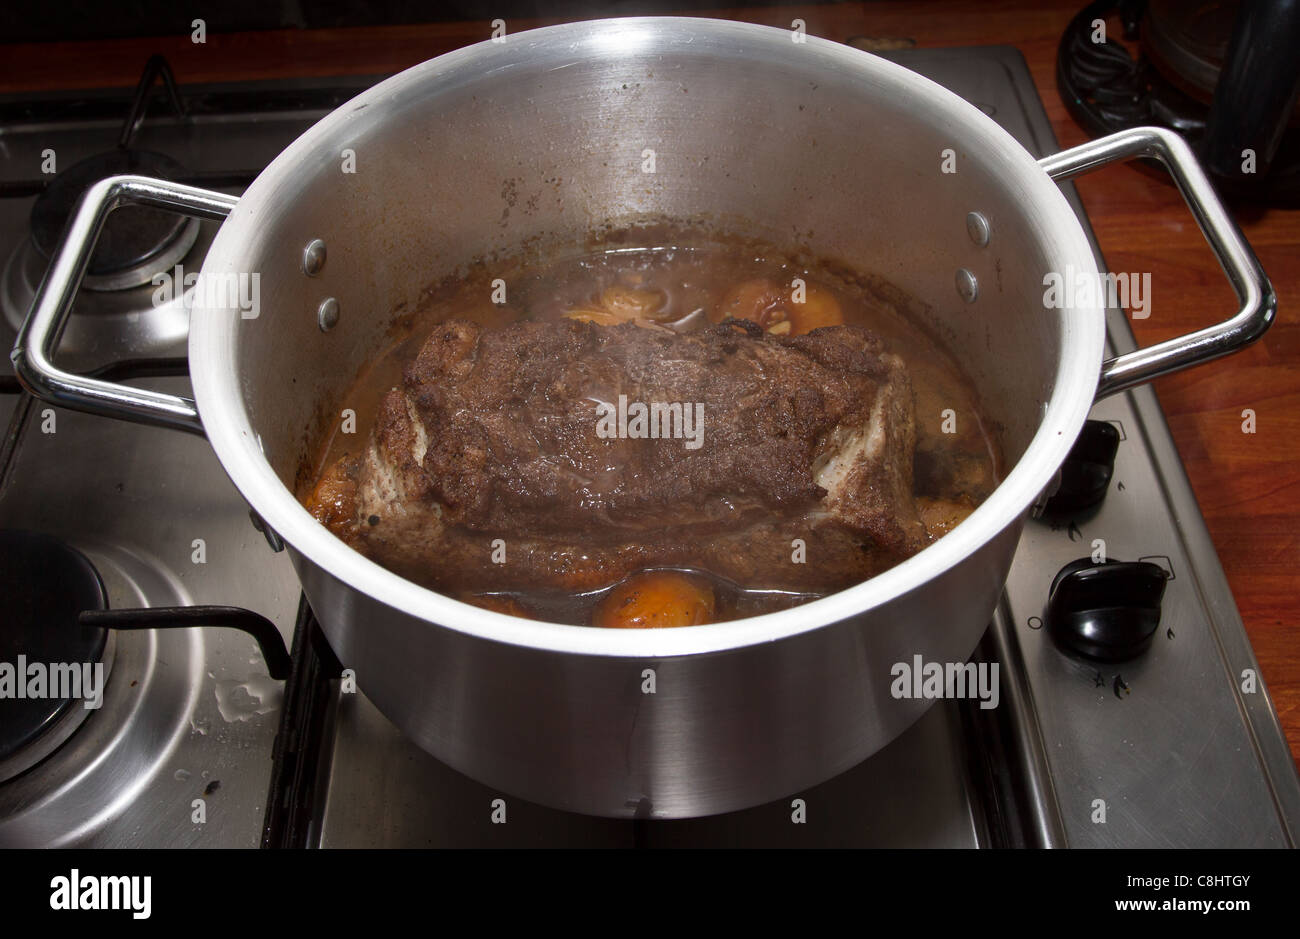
[(1178, 753)]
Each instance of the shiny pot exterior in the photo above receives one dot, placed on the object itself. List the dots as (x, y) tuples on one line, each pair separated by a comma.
[(659, 736), (539, 141), (552, 140)]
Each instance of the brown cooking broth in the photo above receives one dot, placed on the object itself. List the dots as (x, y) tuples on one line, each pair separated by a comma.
[(957, 460)]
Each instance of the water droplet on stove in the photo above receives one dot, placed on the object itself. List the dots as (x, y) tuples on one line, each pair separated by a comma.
[(182, 774), (244, 700)]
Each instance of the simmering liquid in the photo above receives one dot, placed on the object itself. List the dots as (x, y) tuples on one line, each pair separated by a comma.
[(685, 287)]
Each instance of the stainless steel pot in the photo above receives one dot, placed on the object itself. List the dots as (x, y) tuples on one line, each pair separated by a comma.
[(542, 138)]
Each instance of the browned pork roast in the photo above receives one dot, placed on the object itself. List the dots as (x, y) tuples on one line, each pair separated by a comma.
[(515, 455)]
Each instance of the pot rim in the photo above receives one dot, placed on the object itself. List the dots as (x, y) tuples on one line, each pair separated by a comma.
[(237, 446)]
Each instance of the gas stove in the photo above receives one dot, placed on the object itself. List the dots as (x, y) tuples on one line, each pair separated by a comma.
[(195, 744)]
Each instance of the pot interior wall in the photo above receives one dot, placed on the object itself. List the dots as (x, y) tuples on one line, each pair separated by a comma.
[(540, 145)]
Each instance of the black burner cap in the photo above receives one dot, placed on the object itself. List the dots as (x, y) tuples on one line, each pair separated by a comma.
[(44, 584), (133, 235)]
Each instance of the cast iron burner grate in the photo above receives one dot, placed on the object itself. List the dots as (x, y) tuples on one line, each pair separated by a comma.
[(136, 241), (119, 312)]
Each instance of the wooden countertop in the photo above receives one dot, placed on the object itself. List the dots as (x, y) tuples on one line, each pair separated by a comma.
[(1248, 485)]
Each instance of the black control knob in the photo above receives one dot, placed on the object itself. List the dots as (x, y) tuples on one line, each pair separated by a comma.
[(1086, 472), (1108, 611)]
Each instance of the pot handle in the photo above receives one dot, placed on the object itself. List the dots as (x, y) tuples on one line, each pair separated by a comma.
[(40, 334), (1258, 301)]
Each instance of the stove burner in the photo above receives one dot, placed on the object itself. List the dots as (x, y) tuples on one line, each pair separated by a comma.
[(137, 241), (46, 584), (125, 311)]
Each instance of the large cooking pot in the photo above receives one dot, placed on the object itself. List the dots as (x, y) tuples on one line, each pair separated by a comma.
[(542, 138)]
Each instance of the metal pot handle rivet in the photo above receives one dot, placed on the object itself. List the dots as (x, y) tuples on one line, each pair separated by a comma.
[(327, 314), (968, 287), (313, 257)]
